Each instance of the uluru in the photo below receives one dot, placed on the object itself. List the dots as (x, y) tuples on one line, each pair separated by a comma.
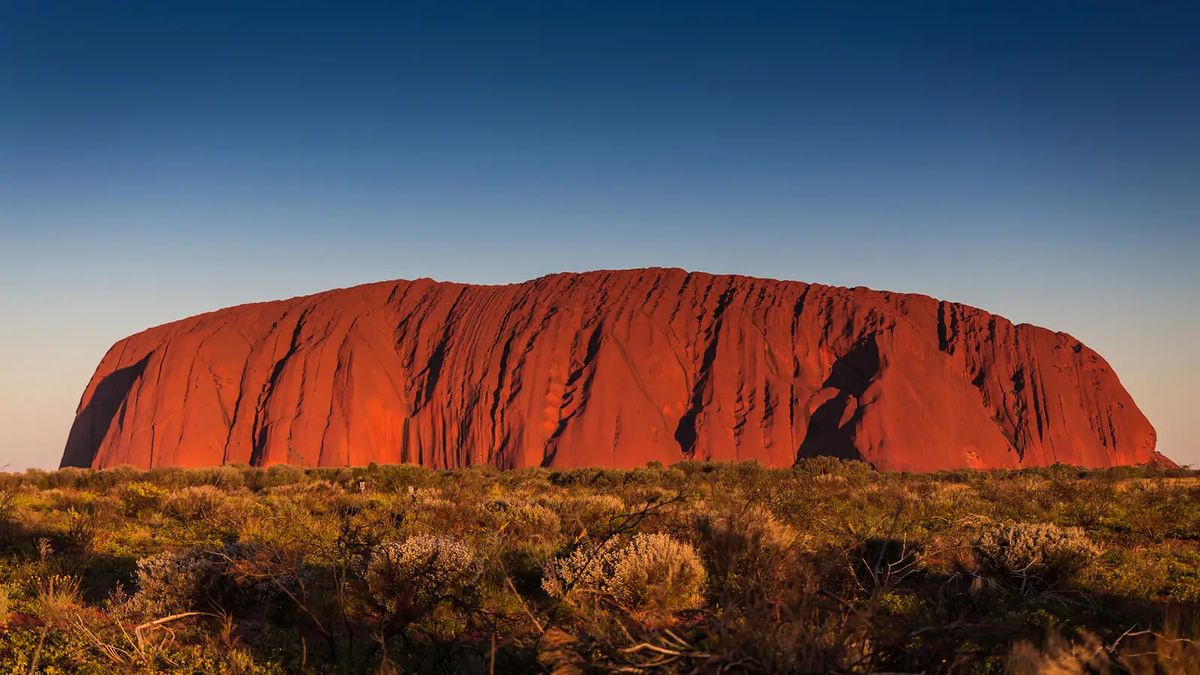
[(606, 369)]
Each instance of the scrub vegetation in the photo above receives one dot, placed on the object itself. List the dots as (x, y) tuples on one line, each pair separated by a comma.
[(826, 567)]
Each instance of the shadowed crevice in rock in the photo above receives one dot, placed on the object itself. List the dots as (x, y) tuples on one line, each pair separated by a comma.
[(263, 427), (831, 427), (686, 433), (433, 368), (853, 372), (93, 422), (573, 389)]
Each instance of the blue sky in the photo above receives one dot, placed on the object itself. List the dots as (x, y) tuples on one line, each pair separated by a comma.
[(1040, 160)]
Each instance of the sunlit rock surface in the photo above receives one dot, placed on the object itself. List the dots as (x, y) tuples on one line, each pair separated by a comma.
[(609, 369)]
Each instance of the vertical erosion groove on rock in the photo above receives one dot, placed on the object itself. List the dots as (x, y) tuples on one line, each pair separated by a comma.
[(605, 369)]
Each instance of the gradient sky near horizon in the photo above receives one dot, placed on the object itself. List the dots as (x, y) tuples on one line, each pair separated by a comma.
[(157, 159)]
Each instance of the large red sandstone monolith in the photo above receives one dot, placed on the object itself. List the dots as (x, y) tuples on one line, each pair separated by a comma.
[(607, 369)]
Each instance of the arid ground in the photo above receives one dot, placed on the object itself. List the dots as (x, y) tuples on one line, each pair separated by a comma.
[(826, 567)]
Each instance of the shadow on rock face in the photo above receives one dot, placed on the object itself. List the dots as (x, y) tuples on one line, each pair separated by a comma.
[(92, 423), (831, 427)]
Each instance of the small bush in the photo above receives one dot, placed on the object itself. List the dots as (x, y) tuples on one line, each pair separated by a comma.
[(202, 502), (589, 509), (658, 573), (409, 577), (138, 496), (754, 527), (525, 518), (823, 465), (274, 476), (227, 478), (1033, 555), (201, 579), (82, 530), (652, 576), (746, 549)]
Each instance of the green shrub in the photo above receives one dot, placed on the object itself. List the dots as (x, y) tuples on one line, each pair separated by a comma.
[(832, 466), (747, 549), (200, 503), (205, 580), (281, 474), (138, 496), (525, 515), (1033, 556)]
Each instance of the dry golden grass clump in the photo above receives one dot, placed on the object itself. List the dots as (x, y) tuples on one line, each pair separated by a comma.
[(747, 550), (750, 528), (199, 502), (523, 517)]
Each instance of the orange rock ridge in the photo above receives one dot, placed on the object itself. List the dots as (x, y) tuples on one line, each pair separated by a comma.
[(613, 369)]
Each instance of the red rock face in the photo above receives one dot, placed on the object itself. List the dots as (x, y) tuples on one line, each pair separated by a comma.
[(609, 369)]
